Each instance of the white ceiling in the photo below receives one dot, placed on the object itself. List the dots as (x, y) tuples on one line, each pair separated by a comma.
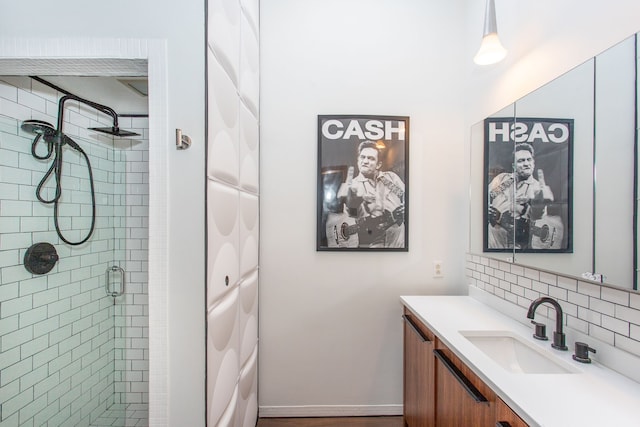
[(107, 91), (94, 79)]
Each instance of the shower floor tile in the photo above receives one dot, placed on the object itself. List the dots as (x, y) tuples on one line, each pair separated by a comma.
[(124, 415)]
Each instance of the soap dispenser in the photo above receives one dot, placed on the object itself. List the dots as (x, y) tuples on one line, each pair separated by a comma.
[(582, 352)]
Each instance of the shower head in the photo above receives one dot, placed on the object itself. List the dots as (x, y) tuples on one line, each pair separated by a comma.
[(38, 127), (115, 131)]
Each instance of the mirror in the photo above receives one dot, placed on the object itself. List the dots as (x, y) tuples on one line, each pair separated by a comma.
[(593, 203), (570, 96), (615, 207), (477, 191)]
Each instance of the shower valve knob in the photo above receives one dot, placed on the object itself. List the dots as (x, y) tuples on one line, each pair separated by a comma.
[(40, 258)]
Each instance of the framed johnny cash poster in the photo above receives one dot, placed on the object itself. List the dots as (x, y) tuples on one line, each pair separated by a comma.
[(363, 169), (528, 185)]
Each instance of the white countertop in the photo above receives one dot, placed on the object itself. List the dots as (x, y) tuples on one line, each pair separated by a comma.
[(594, 396)]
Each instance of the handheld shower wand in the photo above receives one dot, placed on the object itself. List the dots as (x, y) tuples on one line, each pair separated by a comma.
[(56, 139)]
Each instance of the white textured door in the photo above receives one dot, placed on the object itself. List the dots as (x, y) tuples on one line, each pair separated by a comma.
[(232, 212)]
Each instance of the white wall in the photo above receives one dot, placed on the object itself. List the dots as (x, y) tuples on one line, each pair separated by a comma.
[(182, 25), (330, 321), (330, 326)]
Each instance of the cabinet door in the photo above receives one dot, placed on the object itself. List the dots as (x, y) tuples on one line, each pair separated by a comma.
[(419, 380), (462, 399), (506, 417)]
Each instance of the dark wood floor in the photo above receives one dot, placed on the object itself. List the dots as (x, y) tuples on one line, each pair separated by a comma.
[(332, 422)]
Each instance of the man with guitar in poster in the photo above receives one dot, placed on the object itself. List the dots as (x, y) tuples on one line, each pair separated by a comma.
[(375, 199), (512, 223)]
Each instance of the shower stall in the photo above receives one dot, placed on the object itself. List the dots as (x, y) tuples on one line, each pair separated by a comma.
[(73, 259)]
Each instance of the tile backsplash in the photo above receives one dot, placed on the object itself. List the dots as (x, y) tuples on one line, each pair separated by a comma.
[(610, 315)]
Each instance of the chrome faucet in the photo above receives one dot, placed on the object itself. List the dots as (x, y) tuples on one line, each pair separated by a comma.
[(558, 336)]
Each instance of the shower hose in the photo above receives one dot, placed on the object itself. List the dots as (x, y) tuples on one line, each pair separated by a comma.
[(55, 142)]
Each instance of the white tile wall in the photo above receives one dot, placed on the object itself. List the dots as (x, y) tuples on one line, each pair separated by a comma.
[(57, 330), (610, 315), (132, 310), (232, 213)]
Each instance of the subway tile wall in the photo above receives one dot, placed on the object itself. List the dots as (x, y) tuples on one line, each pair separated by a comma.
[(58, 345), (608, 314), (132, 309)]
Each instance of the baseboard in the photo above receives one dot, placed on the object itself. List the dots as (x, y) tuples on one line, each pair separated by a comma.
[(329, 411)]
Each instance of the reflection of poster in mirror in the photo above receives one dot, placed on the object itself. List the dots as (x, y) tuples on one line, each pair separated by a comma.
[(363, 166), (528, 187)]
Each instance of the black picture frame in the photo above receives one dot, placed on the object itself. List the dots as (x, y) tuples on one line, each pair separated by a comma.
[(514, 221), (354, 212)]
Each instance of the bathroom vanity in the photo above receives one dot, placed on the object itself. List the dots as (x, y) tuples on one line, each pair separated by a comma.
[(468, 364)]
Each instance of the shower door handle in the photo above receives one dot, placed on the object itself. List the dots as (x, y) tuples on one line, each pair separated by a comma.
[(182, 141), (111, 271)]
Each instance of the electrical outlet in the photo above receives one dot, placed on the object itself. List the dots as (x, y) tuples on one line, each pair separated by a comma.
[(437, 269)]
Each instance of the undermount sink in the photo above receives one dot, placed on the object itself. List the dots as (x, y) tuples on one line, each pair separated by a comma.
[(516, 355)]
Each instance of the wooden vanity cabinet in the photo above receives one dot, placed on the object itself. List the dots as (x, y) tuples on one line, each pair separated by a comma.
[(419, 375), (506, 417), (441, 390)]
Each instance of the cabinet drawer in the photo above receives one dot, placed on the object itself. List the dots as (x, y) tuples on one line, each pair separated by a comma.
[(506, 417), (462, 398), (418, 327), (419, 378)]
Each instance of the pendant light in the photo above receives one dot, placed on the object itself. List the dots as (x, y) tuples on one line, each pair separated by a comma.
[(491, 50)]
